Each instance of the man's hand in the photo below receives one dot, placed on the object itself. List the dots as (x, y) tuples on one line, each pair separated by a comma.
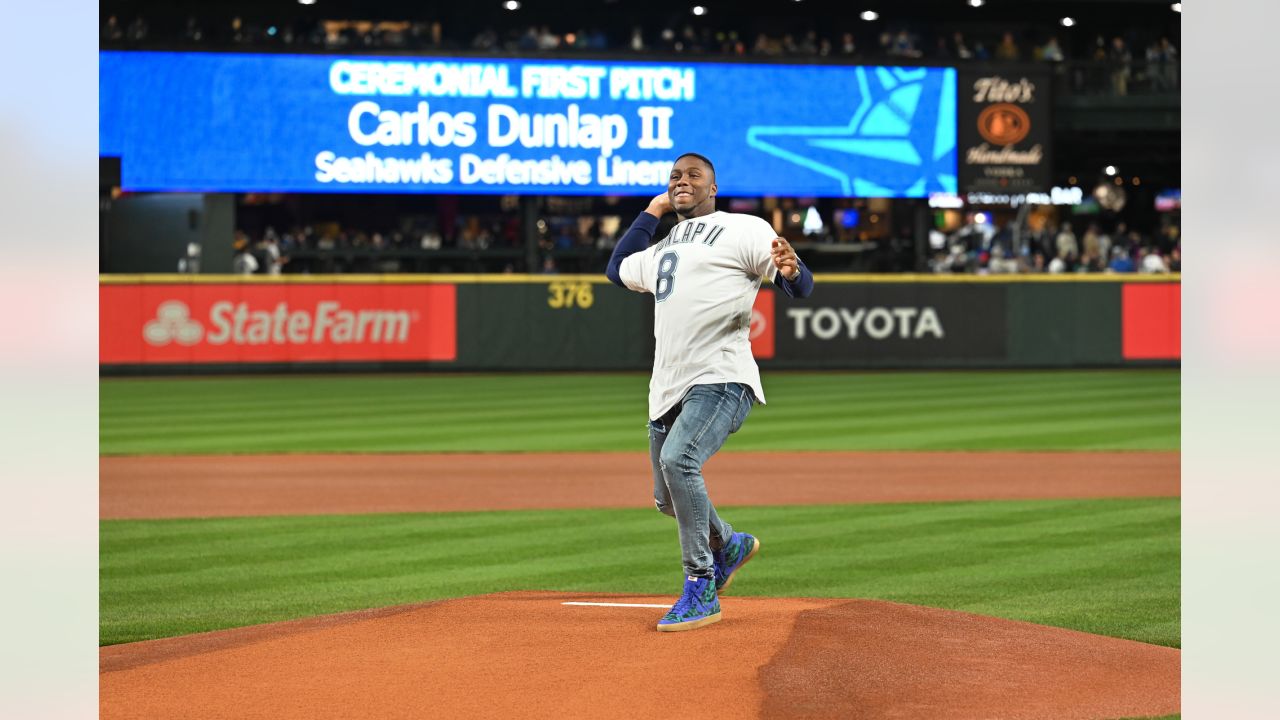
[(784, 257), (660, 205)]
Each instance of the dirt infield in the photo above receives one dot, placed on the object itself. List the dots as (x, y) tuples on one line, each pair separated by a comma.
[(522, 655), (209, 486)]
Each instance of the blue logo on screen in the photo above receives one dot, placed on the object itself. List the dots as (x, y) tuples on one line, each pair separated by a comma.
[(881, 139)]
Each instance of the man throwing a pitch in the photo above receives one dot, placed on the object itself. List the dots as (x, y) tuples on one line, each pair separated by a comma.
[(704, 277)]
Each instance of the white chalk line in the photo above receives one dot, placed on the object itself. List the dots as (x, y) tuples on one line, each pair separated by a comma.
[(609, 604)]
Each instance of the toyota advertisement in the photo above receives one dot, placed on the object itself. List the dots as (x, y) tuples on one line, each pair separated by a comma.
[(871, 324)]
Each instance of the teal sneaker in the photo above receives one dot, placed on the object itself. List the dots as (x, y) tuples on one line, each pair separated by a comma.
[(698, 605), (735, 553)]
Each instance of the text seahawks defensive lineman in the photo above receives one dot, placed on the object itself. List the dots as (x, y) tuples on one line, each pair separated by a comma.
[(704, 277)]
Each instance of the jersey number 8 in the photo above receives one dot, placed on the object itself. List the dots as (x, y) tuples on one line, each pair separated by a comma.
[(666, 275)]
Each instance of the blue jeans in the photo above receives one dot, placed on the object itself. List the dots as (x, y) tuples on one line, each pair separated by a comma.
[(679, 443)]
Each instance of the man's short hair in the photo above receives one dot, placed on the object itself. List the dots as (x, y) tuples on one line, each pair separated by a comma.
[(704, 159)]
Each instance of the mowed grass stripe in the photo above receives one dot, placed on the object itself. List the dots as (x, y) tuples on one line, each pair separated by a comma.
[(245, 394), (886, 426), (1106, 566), (253, 393), (406, 409), (605, 412), (1027, 428)]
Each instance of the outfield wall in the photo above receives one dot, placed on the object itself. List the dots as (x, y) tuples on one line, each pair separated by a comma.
[(154, 324)]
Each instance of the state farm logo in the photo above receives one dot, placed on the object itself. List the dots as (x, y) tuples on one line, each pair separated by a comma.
[(1004, 124), (237, 323), (173, 323)]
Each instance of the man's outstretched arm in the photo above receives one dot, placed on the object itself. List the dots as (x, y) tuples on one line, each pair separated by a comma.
[(793, 276), (637, 237)]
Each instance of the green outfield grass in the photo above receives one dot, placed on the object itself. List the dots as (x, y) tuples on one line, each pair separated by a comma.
[(1020, 410), (1101, 566)]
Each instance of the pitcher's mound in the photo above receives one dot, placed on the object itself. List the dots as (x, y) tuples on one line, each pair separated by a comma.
[(521, 655)]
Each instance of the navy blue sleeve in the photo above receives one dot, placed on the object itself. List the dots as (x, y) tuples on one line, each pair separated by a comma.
[(798, 288), (636, 238)]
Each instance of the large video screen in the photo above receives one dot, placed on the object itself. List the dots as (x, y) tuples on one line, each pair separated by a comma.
[(219, 122)]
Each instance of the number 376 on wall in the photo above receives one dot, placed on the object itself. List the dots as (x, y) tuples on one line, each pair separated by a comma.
[(564, 294)]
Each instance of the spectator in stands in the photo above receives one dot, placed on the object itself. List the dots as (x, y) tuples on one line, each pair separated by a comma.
[(847, 47), (194, 32), (486, 40), (809, 45), (243, 263), (1007, 50), (1091, 242), (1001, 262), (1168, 70), (430, 240), (1152, 262), (138, 29), (1120, 261), (1121, 62), (667, 40), (689, 41), (902, 44), (1051, 52), (111, 30), (1041, 242), (1090, 262), (959, 48), (1167, 238), (1175, 260), (941, 49), (637, 40), (1065, 243), (529, 40)]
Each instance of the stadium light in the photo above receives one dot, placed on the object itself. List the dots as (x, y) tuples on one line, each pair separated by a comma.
[(1177, 7), (511, 4), (870, 15), (699, 10), (977, 3), (1109, 170), (1067, 22), (306, 2)]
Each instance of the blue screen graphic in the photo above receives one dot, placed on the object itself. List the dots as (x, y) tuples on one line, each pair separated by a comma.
[(294, 123)]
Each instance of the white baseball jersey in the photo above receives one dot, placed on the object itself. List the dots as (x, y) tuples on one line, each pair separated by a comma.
[(704, 277)]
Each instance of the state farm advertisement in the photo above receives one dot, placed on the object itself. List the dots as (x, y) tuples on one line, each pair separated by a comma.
[(276, 323)]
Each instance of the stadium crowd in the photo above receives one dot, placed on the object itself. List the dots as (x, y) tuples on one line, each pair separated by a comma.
[(985, 249), (1102, 64), (492, 242)]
